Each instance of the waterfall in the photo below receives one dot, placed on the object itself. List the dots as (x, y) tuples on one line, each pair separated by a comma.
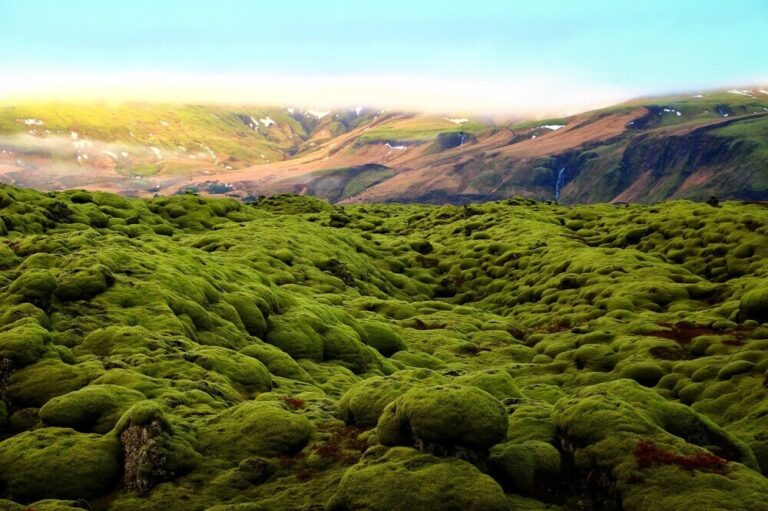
[(559, 182), (463, 138)]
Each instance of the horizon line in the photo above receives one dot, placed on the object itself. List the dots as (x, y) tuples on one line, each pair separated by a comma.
[(535, 96)]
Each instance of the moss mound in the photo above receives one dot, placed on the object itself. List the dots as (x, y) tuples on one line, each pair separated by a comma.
[(95, 408), (255, 429), (443, 419), (403, 479), (58, 463)]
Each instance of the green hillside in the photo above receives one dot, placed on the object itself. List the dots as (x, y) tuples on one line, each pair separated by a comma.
[(189, 353)]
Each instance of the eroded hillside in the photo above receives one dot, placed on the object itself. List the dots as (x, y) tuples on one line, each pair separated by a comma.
[(190, 353), (679, 147)]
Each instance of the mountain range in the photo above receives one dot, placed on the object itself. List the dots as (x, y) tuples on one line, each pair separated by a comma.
[(692, 146)]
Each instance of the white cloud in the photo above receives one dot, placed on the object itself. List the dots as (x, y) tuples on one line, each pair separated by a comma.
[(531, 94)]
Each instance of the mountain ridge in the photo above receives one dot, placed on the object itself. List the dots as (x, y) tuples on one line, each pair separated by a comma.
[(686, 146)]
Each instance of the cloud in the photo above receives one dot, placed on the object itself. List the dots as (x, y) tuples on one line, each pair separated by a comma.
[(528, 94)]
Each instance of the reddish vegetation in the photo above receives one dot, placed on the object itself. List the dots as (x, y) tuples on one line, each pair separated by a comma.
[(665, 353), (294, 403), (683, 333), (340, 445), (648, 454)]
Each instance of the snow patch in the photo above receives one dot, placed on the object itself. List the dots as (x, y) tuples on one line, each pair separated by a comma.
[(267, 121), (124, 154), (359, 109), (458, 121), (110, 154), (291, 110), (673, 111), (318, 114), (744, 92), (74, 135), (31, 122), (164, 123), (397, 147), (157, 152), (698, 96), (763, 91), (553, 127)]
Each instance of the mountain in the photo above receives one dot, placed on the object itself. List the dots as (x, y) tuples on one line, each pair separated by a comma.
[(685, 146), (188, 353)]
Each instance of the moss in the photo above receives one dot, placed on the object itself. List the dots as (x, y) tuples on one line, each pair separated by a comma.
[(496, 382), (246, 332), (364, 402), (254, 429), (249, 313), (645, 373), (404, 479), (295, 336), (277, 362), (447, 418), (521, 466), (95, 408), (342, 343), (58, 463), (83, 283), (24, 344), (754, 304), (34, 286), (240, 370), (34, 385), (7, 257), (381, 337)]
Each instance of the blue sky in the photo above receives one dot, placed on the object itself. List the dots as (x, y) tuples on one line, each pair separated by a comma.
[(593, 48)]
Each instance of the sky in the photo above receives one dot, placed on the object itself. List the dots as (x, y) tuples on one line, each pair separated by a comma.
[(507, 56)]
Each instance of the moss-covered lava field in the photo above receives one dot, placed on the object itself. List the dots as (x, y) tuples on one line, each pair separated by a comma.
[(181, 353)]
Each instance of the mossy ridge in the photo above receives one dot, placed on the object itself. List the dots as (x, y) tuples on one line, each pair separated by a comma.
[(170, 326)]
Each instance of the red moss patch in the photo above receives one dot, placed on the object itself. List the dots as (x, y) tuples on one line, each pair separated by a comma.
[(648, 454), (294, 403), (683, 333), (665, 353), (342, 445)]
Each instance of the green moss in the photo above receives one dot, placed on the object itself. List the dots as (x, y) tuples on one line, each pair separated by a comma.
[(95, 408), (364, 402), (754, 304), (520, 466), (404, 479), (24, 344), (254, 429), (381, 337), (58, 463), (34, 286), (496, 382), (34, 385), (249, 313), (277, 362), (240, 370), (83, 283), (645, 373), (443, 419), (236, 333)]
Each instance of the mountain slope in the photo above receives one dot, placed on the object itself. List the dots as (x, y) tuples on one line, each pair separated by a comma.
[(692, 146)]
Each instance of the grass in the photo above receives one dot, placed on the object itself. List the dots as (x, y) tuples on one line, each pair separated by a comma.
[(417, 129)]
